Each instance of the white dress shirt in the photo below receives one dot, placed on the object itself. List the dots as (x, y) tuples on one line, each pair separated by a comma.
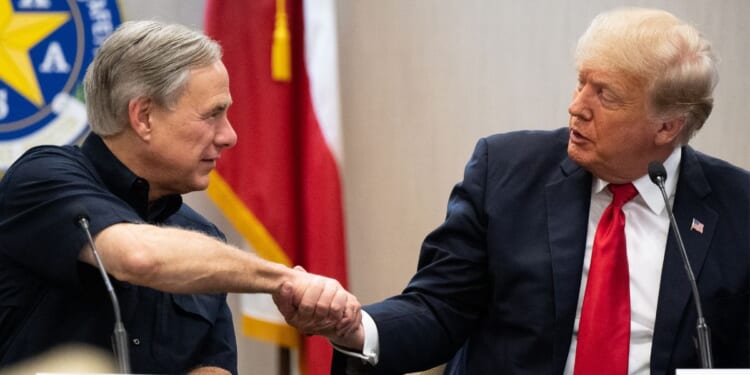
[(646, 230)]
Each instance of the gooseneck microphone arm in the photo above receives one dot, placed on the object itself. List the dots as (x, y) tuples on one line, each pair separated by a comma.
[(658, 176), (120, 336)]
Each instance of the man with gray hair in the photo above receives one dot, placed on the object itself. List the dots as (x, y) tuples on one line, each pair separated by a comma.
[(157, 98), (556, 256)]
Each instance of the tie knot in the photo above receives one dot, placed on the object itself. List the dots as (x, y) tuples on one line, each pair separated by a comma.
[(622, 193)]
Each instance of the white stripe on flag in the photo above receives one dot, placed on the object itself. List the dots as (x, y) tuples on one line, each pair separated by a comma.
[(321, 59), (260, 306)]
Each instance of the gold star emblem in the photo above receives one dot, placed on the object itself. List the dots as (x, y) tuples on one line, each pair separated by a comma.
[(19, 33)]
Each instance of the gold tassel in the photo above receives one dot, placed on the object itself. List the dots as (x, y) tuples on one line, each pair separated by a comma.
[(281, 50)]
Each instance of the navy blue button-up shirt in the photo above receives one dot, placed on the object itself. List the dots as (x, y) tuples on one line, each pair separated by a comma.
[(48, 297)]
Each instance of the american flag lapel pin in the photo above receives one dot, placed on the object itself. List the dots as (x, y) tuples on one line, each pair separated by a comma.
[(696, 226)]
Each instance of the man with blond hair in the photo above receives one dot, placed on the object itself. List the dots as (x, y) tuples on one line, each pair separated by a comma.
[(556, 255)]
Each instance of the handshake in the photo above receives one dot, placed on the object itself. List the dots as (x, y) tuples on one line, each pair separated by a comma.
[(318, 305)]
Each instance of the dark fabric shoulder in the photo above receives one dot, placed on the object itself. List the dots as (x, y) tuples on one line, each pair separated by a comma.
[(530, 139), (529, 147), (725, 181), (40, 196), (718, 170), (42, 163), (514, 154)]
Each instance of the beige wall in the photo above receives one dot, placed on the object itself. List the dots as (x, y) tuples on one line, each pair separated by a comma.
[(421, 80)]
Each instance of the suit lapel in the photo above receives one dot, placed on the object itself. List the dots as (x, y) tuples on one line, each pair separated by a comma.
[(568, 198), (675, 299)]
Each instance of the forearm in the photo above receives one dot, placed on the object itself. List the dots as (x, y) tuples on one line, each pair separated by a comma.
[(181, 261)]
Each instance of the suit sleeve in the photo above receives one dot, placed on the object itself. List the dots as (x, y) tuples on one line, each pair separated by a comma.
[(442, 303)]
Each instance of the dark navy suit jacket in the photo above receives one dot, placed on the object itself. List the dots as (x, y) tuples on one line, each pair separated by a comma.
[(498, 282)]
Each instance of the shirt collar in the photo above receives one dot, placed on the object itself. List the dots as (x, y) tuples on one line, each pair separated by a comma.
[(647, 189), (125, 184)]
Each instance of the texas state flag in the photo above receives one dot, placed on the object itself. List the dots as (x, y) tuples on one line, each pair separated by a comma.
[(281, 186)]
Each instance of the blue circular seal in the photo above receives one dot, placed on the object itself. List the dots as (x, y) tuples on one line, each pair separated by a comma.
[(45, 47)]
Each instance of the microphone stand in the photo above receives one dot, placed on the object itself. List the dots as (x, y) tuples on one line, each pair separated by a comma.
[(120, 336), (658, 176)]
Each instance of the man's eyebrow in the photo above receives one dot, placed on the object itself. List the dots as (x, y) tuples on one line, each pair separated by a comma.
[(217, 108), (611, 85)]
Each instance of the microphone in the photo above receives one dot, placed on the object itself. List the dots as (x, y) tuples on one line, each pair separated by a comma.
[(658, 175), (120, 336)]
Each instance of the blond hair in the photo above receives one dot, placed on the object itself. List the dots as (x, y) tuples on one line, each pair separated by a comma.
[(670, 59)]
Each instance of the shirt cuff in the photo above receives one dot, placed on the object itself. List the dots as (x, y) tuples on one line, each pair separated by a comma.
[(371, 347)]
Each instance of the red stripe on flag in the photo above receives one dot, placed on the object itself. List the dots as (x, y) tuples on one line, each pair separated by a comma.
[(323, 235)]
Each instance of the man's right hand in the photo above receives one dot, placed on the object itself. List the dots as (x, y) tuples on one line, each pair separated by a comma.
[(318, 305)]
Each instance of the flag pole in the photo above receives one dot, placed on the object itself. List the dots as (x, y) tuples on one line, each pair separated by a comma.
[(284, 361), (281, 50), (281, 71)]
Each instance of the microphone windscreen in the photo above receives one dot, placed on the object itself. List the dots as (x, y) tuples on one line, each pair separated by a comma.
[(656, 170)]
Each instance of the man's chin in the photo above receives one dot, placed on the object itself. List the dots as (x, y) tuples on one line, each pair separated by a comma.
[(201, 187), (199, 184), (575, 153)]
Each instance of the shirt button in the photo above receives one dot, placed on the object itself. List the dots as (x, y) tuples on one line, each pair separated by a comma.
[(136, 341)]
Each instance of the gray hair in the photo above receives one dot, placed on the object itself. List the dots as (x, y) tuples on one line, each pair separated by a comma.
[(669, 58), (142, 59)]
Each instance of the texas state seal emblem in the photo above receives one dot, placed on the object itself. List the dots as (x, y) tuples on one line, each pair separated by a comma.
[(45, 47)]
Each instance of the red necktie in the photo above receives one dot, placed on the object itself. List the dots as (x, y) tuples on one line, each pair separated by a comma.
[(604, 329)]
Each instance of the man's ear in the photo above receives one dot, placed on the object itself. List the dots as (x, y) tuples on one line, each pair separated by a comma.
[(669, 131), (139, 116)]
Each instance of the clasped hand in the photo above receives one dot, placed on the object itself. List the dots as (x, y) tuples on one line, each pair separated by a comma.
[(318, 305)]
